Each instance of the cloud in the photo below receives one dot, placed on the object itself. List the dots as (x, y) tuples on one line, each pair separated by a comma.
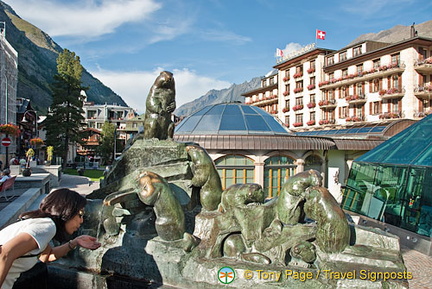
[(83, 18), (134, 86), (224, 36)]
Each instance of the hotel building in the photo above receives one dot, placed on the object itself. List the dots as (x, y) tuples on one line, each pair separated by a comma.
[(365, 84)]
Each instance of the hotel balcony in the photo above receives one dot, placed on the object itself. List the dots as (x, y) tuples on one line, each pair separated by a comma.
[(356, 99), (327, 103), (424, 66), (265, 100), (354, 118), (392, 93), (366, 75), (423, 91), (327, 121), (391, 115)]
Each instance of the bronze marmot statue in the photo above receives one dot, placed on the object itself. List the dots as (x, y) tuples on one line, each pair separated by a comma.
[(160, 105)]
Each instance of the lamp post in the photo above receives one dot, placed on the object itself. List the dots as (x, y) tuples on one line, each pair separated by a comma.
[(34, 127)]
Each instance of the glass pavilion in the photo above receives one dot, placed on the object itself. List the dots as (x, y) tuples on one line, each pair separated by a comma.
[(393, 182)]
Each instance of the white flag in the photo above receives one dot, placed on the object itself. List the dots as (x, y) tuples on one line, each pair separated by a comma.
[(279, 52)]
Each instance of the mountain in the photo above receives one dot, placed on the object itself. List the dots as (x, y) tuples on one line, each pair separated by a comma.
[(37, 55), (397, 33), (230, 94)]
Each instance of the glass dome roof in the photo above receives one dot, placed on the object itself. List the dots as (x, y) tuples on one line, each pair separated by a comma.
[(412, 146), (233, 119)]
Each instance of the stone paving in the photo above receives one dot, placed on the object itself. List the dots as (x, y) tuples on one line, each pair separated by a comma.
[(420, 266)]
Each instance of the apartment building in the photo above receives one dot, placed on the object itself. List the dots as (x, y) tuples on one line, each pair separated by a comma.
[(8, 88), (95, 116), (363, 83)]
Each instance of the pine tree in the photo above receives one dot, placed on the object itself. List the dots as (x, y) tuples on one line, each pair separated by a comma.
[(65, 119)]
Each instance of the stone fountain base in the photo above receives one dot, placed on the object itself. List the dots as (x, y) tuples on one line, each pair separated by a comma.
[(134, 259)]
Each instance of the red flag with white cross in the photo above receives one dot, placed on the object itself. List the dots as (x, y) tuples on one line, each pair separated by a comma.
[(320, 34)]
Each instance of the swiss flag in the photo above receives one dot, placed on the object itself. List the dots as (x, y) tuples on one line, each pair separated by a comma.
[(320, 34)]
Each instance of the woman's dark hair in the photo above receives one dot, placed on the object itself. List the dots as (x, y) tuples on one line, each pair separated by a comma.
[(60, 205)]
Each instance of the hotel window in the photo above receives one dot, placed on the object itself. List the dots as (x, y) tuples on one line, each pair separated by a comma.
[(263, 83), (299, 118), (395, 59), (287, 89), (395, 81), (312, 64), (277, 170), (312, 98), (330, 60), (357, 50), (342, 56), (235, 169), (375, 85), (312, 115), (344, 72), (312, 80), (91, 114), (313, 162), (299, 100), (287, 75), (422, 53), (376, 63), (375, 107), (358, 110), (343, 112), (331, 76), (287, 121), (360, 89), (299, 84), (299, 69), (271, 80), (395, 105), (359, 68), (343, 92), (287, 103)]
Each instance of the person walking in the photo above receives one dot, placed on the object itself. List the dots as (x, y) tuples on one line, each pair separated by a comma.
[(25, 242)]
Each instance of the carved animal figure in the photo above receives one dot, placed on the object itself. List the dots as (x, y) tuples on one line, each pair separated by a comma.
[(289, 204), (333, 232), (206, 177), (239, 195), (159, 106), (154, 191)]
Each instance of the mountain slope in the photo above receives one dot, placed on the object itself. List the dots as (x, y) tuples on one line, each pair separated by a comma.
[(37, 54), (397, 33), (230, 94)]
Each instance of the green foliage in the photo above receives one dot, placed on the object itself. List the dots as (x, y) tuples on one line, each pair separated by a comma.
[(106, 146), (65, 121)]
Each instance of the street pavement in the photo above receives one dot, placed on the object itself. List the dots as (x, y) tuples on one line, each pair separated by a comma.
[(81, 184)]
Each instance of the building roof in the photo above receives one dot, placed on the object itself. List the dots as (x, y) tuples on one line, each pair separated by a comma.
[(229, 126), (231, 119), (412, 146), (258, 142), (363, 130)]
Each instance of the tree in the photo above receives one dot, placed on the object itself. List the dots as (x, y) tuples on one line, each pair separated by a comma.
[(65, 119), (106, 144)]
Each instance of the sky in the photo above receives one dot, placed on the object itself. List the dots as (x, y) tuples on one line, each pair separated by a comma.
[(206, 44)]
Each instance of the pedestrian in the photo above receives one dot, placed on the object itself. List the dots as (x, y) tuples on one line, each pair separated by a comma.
[(25, 242), (12, 161), (5, 175)]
